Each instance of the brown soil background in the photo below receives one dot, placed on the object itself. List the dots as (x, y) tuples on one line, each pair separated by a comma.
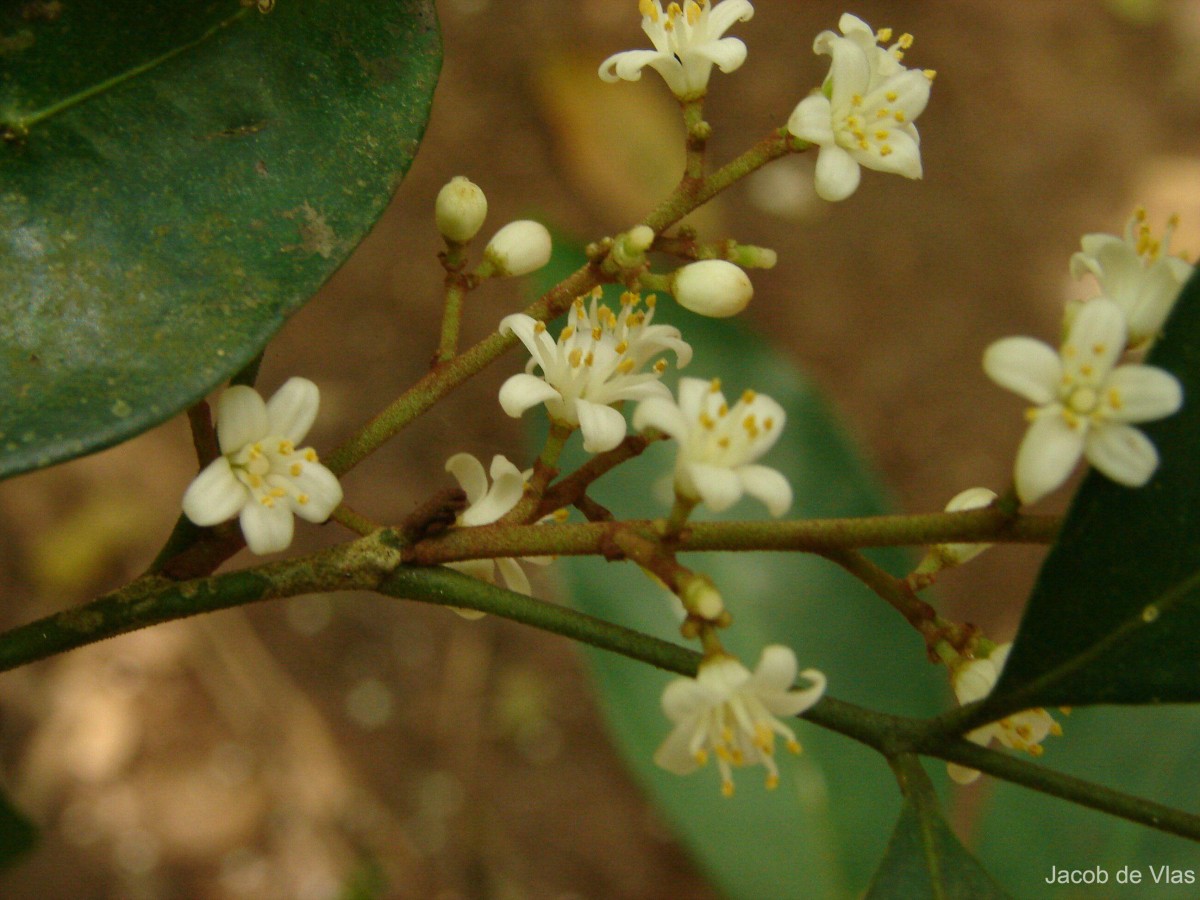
[(265, 753)]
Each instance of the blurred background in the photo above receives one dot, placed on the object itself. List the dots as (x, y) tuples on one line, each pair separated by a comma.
[(296, 748)]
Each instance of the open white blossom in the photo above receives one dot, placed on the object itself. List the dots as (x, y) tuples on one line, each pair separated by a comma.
[(718, 444), (1025, 730), (863, 115), (596, 362), (485, 506), (1084, 403), (260, 476), (733, 714), (687, 43), (1136, 272)]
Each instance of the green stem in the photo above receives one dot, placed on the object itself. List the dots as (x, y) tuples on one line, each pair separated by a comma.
[(456, 290), (22, 123)]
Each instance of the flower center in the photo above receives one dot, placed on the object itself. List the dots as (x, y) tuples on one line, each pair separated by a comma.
[(267, 469)]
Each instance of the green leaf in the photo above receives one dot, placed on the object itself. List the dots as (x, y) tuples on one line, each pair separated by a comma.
[(1150, 752), (1116, 609), (17, 833), (822, 832), (925, 859), (157, 232)]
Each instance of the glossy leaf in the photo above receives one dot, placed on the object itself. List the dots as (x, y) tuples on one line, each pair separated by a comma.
[(1022, 836), (157, 232), (925, 859), (823, 831), (1116, 609)]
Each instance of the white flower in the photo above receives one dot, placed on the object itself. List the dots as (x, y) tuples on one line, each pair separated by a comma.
[(460, 209), (260, 476), (712, 287), (733, 714), (718, 444), (687, 42), (1083, 405), (1025, 731), (864, 114), (971, 498), (519, 248), (595, 363), (1137, 273), (488, 505)]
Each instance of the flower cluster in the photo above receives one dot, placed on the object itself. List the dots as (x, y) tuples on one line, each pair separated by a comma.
[(973, 680), (1085, 402), (734, 714), (598, 360), (864, 113)]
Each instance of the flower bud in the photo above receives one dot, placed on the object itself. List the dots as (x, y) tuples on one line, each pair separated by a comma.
[(460, 210), (946, 556), (712, 287), (701, 599), (519, 248)]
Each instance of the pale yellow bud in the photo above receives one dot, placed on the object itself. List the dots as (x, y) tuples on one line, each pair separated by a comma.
[(460, 210)]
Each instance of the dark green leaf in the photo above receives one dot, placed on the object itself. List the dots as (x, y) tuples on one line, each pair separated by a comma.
[(1116, 609), (156, 234), (823, 831), (17, 833), (925, 859)]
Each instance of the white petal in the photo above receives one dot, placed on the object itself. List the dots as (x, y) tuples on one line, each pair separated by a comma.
[(728, 54), (974, 680), (795, 702), (292, 409), (508, 486), (1122, 453), (1026, 366), (215, 495), (686, 698), (812, 120), (1048, 453), (524, 391), (267, 529), (674, 754), (663, 415), (905, 158), (837, 174), (1096, 338), (514, 576), (776, 670), (719, 488), (241, 418), (693, 394), (469, 473), (961, 774), (767, 485), (723, 15), (850, 72), (602, 426), (627, 65), (322, 489), (1145, 393)]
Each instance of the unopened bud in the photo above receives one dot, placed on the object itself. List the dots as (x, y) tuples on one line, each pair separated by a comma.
[(712, 287), (945, 556), (519, 248), (701, 599), (460, 210)]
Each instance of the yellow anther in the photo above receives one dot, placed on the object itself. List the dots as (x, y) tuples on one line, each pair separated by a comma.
[(566, 333), (626, 366), (539, 328), (883, 35), (1099, 349), (255, 481), (748, 396), (693, 13), (278, 492), (648, 8), (651, 301), (1114, 398), (899, 116), (310, 455), (597, 333), (772, 781), (864, 144), (575, 358), (768, 423), (1031, 414), (723, 443), (885, 149), (1140, 214), (673, 11), (1056, 729), (727, 788), (295, 469), (892, 96), (882, 134), (266, 501), (751, 426), (701, 756), (1086, 370), (590, 359), (1069, 350), (622, 346), (906, 41), (714, 386), (793, 746), (1036, 750), (930, 74), (659, 367), (856, 100), (302, 499), (707, 421), (722, 410), (723, 753), (628, 298)]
